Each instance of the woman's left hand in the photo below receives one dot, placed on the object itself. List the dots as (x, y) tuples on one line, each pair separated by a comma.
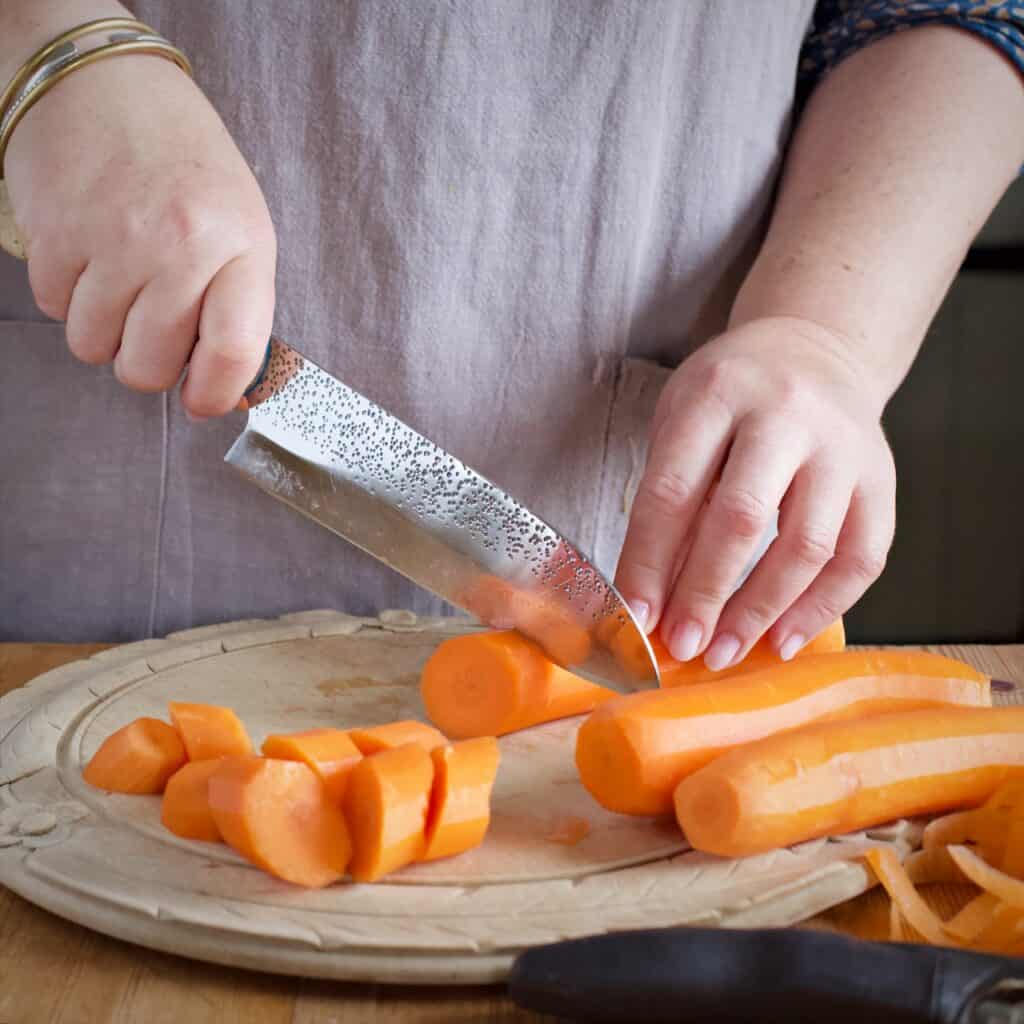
[(774, 414)]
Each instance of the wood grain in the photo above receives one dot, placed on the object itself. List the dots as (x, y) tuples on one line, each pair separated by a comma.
[(51, 970)]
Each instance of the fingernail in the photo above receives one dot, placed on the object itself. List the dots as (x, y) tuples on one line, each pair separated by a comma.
[(641, 612), (686, 641), (722, 652), (792, 644)]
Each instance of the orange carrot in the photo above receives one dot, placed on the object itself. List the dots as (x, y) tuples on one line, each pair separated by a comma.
[(489, 684), (460, 806), (396, 734), (835, 777), (632, 752), (386, 805), (277, 814), (138, 758), (905, 897), (626, 648), (1002, 886), (329, 752), (209, 731), (185, 809)]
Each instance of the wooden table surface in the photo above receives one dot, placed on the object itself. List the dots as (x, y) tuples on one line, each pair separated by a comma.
[(52, 970)]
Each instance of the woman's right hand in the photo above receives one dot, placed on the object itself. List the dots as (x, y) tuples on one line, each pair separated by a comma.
[(146, 231)]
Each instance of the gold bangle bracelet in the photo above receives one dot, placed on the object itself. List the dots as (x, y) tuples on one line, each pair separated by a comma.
[(156, 46), (78, 32)]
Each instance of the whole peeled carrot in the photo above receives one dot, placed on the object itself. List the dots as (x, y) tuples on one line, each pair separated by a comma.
[(489, 684), (632, 752), (836, 777)]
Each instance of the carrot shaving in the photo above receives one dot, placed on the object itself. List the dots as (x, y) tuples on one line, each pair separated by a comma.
[(1004, 933), (890, 872), (1001, 885), (935, 865), (971, 921)]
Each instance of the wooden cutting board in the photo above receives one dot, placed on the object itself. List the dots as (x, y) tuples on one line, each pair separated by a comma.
[(554, 864)]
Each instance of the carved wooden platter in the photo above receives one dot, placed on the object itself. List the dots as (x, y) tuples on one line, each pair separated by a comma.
[(554, 864)]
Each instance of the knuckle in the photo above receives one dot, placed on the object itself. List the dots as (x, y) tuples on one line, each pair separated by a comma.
[(706, 595), (668, 491), (88, 347), (865, 565), (758, 614), (140, 378), (721, 382), (744, 514), (812, 547)]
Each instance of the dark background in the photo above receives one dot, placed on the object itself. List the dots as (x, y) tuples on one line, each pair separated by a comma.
[(956, 569)]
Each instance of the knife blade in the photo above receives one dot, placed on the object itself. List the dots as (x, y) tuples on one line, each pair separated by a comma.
[(335, 456), (770, 974)]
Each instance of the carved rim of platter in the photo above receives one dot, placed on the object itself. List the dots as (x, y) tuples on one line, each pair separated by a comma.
[(453, 934)]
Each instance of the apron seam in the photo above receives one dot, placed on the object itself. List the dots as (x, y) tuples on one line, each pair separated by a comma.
[(160, 512)]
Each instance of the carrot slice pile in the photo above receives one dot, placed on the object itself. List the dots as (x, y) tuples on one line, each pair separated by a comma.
[(138, 758), (386, 806), (460, 806), (632, 751), (277, 814), (396, 734), (185, 809), (329, 752), (993, 921), (210, 731), (490, 684)]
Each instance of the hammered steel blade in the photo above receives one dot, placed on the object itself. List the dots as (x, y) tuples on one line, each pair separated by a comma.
[(333, 455)]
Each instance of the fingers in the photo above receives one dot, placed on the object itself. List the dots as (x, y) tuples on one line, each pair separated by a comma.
[(859, 560), (160, 331), (811, 518), (685, 455), (97, 311), (758, 473), (234, 327)]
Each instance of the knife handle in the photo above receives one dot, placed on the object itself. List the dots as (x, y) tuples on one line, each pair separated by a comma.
[(727, 975)]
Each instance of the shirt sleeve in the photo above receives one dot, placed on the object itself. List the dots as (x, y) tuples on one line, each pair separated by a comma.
[(840, 28)]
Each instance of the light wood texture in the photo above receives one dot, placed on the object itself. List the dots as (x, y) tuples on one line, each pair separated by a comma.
[(77, 974)]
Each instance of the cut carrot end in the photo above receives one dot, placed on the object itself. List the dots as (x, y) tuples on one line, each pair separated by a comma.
[(138, 758), (209, 731)]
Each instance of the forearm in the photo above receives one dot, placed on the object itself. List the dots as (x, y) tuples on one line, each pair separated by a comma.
[(899, 158), (26, 25)]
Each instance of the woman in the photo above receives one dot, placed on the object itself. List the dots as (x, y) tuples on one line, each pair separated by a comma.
[(539, 232)]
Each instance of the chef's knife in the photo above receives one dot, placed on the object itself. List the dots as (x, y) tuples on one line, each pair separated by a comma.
[(784, 975), (329, 452)]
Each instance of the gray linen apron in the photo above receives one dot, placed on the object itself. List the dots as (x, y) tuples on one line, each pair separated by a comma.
[(504, 220)]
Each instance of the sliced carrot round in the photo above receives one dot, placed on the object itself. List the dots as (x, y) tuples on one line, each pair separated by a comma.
[(209, 731), (329, 752), (460, 808), (185, 809), (138, 758), (277, 814), (396, 734)]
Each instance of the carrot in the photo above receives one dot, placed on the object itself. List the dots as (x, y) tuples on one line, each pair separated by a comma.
[(460, 806), (209, 731), (936, 865), (972, 919), (386, 805), (626, 648), (836, 777), (139, 758), (277, 815), (396, 734), (185, 809), (632, 752), (329, 752), (886, 866), (1001, 885), (490, 684)]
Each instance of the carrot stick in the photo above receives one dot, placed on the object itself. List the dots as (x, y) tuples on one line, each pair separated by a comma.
[(329, 752), (396, 734), (185, 809), (386, 805), (632, 751), (626, 648), (277, 815), (836, 777), (490, 684), (460, 807), (139, 758), (209, 731)]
